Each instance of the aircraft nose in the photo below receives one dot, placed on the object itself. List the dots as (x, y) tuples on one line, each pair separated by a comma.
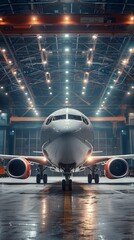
[(67, 126)]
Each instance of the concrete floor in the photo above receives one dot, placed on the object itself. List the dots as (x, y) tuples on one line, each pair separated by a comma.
[(93, 212)]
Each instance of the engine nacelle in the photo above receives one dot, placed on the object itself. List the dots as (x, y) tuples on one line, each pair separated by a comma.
[(116, 168), (18, 168)]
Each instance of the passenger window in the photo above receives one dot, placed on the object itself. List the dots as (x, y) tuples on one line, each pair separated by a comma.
[(59, 117), (85, 120), (49, 120), (74, 117)]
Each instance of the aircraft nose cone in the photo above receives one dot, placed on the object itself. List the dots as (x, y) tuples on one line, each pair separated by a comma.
[(67, 126)]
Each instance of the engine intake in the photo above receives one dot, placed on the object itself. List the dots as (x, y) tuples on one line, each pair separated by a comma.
[(116, 168), (18, 168)]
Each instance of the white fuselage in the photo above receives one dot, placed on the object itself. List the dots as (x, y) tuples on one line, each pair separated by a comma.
[(66, 138)]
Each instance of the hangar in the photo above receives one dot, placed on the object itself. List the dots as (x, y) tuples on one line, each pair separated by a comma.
[(66, 54)]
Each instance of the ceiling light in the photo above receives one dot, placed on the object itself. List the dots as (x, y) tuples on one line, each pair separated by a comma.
[(119, 72), (34, 18), (131, 50), (26, 93), (67, 62), (111, 87), (10, 62), (14, 72), (36, 113), (66, 18), (131, 18), (85, 81), (50, 93), (1, 19), (43, 49), (83, 87), (94, 36), (132, 87), (66, 98), (22, 87), (128, 93), (6, 93), (90, 49), (66, 101), (89, 62), (66, 72), (83, 93), (97, 113), (49, 88), (67, 87), (39, 37), (66, 35), (3, 50), (102, 105), (66, 49), (48, 80), (1, 87), (67, 93), (45, 62), (125, 62), (19, 80), (29, 99), (105, 98), (66, 80), (108, 93), (103, 102)]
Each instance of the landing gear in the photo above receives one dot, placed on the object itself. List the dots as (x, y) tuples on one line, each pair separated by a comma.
[(94, 174), (89, 178), (63, 185), (40, 176)]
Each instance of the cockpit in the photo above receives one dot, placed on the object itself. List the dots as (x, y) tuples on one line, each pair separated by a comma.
[(67, 117)]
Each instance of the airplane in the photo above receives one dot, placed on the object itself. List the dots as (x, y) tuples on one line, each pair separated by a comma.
[(67, 146)]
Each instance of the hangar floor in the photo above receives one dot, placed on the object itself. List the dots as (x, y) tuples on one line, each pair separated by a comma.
[(94, 212)]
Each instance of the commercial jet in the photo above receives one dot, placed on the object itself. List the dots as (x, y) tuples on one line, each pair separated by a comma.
[(67, 147)]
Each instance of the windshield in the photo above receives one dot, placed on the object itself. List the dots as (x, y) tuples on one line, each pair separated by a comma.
[(59, 117), (74, 117)]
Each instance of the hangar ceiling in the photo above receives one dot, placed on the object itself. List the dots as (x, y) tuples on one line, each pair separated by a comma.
[(87, 66)]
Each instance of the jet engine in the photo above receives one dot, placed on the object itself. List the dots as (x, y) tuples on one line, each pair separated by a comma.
[(116, 168), (18, 168)]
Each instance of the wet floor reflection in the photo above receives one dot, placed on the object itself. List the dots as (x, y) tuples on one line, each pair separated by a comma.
[(46, 212)]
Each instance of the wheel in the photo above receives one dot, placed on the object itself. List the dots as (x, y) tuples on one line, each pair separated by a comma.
[(70, 185), (89, 178), (45, 178), (63, 185), (96, 178), (38, 178)]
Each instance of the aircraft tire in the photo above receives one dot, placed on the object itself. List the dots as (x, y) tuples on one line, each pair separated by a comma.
[(63, 185), (70, 185), (96, 178), (89, 178), (38, 178), (45, 178)]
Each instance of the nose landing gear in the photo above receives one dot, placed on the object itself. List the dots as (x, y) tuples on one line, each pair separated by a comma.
[(40, 175), (67, 183)]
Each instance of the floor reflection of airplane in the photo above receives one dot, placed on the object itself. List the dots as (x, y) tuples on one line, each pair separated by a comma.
[(67, 146)]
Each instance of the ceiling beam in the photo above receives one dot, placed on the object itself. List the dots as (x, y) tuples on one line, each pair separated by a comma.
[(37, 24)]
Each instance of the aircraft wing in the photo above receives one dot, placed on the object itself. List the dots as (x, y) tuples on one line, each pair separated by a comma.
[(92, 160), (34, 159)]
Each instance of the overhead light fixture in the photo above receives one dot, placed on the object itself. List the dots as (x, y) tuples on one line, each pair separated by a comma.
[(49, 88), (1, 19), (108, 93), (43, 49), (67, 87), (132, 87), (1, 87), (10, 62), (66, 49), (48, 80), (89, 62), (26, 93), (45, 62), (132, 18), (66, 18), (131, 50), (50, 93), (66, 98), (128, 93), (125, 62), (67, 93), (105, 98), (90, 49), (34, 18), (84, 87), (39, 36), (94, 36), (6, 94), (3, 50), (22, 87), (83, 93), (66, 35), (66, 72), (67, 62), (66, 80), (85, 80), (111, 86)]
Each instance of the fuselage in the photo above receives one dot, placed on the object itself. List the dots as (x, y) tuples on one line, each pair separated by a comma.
[(67, 138)]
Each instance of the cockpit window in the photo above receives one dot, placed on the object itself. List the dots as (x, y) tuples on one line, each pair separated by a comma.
[(59, 117), (85, 120), (49, 120), (74, 117)]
